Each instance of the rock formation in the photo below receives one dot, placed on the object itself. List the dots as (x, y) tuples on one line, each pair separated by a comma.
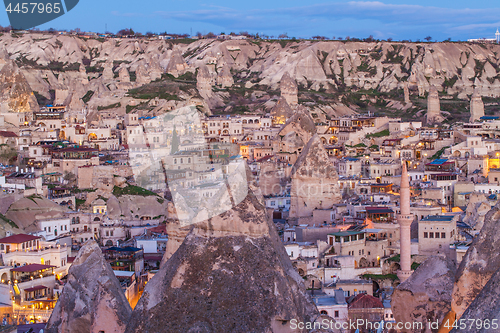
[(92, 299), (479, 263), (477, 208), (231, 274), (289, 89), (176, 66), (124, 75), (142, 76), (484, 311), (204, 81), (15, 92), (107, 73), (433, 108), (406, 92), (301, 124), (281, 112), (426, 295), (225, 78), (476, 107), (26, 211), (314, 182)]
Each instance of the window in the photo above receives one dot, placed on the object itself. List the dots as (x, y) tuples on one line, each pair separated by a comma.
[(336, 313), (437, 234), (426, 235), (443, 235), (431, 235)]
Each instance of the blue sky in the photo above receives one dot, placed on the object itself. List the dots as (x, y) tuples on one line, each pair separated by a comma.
[(458, 19)]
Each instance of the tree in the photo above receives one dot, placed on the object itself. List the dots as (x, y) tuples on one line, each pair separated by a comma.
[(199, 35), (210, 35), (126, 32), (370, 39), (69, 177), (282, 36), (428, 38)]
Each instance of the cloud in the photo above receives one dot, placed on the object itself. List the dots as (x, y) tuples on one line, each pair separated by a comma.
[(354, 17)]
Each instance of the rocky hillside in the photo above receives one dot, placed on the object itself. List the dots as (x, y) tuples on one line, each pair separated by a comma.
[(237, 76)]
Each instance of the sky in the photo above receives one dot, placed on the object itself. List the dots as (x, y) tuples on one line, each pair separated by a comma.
[(396, 19)]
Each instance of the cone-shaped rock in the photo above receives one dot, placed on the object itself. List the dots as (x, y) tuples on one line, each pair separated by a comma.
[(289, 89), (281, 112), (433, 107), (225, 78), (426, 295), (480, 262), (15, 92), (124, 75), (92, 299), (176, 66), (314, 181), (231, 274), (476, 107), (302, 124)]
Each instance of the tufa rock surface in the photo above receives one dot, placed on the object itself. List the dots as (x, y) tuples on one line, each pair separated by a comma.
[(476, 107), (231, 274), (480, 262), (486, 307), (426, 295), (433, 107), (92, 299), (281, 112), (176, 66), (313, 176), (15, 92), (289, 89)]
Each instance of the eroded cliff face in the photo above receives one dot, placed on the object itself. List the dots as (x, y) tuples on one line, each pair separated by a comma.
[(480, 262), (313, 176), (92, 299), (15, 92), (231, 274), (483, 313), (254, 73), (425, 297)]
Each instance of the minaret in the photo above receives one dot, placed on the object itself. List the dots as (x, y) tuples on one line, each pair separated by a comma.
[(497, 36), (405, 219)]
